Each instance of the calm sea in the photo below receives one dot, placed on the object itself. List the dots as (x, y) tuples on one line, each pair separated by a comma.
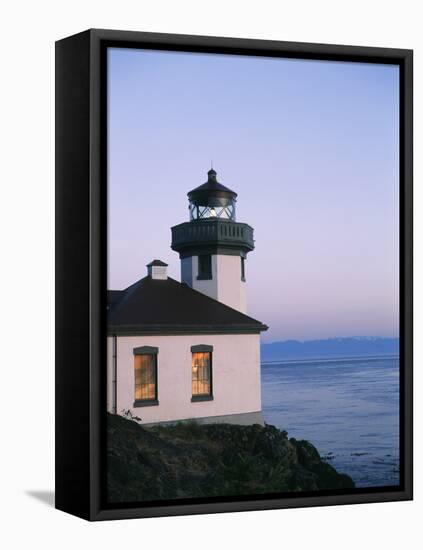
[(348, 408)]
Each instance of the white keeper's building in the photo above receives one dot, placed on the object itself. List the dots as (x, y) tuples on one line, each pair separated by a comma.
[(187, 350)]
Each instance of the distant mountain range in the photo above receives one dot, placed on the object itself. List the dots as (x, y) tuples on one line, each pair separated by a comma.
[(331, 347)]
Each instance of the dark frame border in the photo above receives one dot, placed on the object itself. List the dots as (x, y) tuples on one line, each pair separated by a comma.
[(81, 275)]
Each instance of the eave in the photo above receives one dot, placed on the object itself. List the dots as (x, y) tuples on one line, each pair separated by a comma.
[(177, 330)]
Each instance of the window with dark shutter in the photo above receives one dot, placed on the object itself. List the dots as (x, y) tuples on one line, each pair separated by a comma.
[(204, 266)]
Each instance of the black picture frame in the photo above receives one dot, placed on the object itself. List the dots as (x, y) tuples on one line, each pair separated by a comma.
[(81, 255)]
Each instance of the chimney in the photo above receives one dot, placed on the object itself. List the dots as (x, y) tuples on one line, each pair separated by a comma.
[(157, 270)]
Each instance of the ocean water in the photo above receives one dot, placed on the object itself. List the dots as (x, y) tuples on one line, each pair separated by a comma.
[(348, 408)]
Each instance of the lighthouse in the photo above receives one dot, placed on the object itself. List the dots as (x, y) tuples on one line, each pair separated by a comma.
[(187, 350), (213, 246)]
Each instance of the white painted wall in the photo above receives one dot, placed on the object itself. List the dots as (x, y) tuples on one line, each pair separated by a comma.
[(225, 286), (157, 272), (189, 273), (231, 290), (206, 286), (236, 376)]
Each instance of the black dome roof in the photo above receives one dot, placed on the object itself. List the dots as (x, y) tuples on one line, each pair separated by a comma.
[(212, 188)]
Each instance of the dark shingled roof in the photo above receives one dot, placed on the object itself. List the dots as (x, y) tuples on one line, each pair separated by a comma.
[(152, 306), (113, 296)]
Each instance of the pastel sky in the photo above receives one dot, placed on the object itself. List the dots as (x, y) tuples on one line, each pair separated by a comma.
[(311, 148)]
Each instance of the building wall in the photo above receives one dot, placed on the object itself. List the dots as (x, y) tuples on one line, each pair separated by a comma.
[(236, 376), (231, 290), (187, 272), (225, 286)]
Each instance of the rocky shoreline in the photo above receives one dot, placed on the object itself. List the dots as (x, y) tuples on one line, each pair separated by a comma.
[(189, 460)]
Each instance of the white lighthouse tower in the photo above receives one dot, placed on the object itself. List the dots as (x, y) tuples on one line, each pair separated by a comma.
[(213, 246)]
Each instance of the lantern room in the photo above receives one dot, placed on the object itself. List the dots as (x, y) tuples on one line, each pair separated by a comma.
[(212, 200), (213, 246)]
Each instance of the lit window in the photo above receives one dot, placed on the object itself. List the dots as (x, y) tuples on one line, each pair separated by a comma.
[(145, 369), (201, 373)]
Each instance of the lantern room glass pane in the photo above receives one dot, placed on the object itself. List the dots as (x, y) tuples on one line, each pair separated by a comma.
[(201, 373), (210, 212)]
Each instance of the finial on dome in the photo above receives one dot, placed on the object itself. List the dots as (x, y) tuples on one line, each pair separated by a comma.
[(212, 173)]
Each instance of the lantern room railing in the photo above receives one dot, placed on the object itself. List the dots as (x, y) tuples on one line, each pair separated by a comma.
[(220, 232)]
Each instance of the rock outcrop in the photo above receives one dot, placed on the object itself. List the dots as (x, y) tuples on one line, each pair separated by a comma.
[(189, 460)]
